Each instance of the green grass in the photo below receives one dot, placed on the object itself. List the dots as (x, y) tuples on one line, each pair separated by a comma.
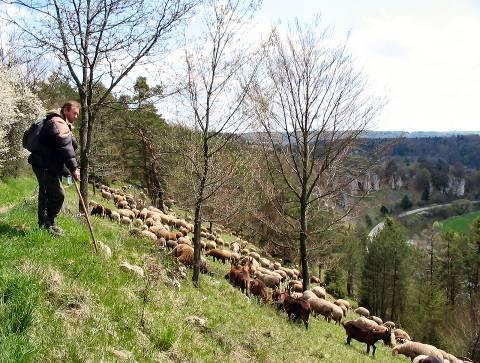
[(460, 223), (66, 304)]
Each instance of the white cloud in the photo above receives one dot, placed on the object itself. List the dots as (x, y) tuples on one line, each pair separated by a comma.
[(429, 63), (422, 55)]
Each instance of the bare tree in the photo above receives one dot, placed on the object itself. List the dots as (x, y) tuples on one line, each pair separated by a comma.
[(220, 72), (312, 107), (100, 42)]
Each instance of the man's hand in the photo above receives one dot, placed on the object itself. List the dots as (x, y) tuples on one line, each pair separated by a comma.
[(76, 174)]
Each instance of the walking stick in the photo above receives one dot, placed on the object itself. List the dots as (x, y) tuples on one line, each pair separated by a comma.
[(85, 212)]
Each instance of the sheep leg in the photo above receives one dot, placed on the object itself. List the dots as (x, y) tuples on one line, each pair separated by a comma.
[(349, 339), (368, 348), (374, 349)]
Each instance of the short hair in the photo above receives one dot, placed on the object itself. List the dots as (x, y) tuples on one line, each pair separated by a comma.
[(70, 104)]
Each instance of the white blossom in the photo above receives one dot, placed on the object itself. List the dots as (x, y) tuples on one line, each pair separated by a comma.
[(19, 107)]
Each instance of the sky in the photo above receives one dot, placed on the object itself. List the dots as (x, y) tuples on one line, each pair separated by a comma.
[(423, 56)]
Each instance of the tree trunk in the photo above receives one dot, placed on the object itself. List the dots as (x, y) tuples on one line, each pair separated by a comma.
[(303, 245), (196, 244), (384, 283), (350, 280), (393, 316), (475, 351), (85, 146)]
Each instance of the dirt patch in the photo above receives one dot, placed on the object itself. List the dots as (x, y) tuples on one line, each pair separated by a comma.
[(5, 208)]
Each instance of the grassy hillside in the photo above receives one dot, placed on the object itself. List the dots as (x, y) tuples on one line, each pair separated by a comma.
[(59, 302), (460, 223)]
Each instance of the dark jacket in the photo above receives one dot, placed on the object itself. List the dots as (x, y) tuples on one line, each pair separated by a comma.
[(57, 152)]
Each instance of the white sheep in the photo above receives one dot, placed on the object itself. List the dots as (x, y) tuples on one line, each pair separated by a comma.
[(235, 247), (449, 357), (320, 292), (389, 324), (106, 195), (148, 234), (401, 335), (269, 280), (343, 302), (414, 349), (376, 319), (309, 294), (337, 314), (126, 213), (366, 323), (362, 311), (321, 307), (115, 217), (126, 221)]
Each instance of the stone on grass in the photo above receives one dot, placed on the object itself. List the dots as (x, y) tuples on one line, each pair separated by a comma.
[(197, 321), (127, 267), (121, 354), (104, 249)]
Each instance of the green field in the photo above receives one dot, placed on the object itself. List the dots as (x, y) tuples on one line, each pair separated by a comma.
[(460, 223), (60, 302)]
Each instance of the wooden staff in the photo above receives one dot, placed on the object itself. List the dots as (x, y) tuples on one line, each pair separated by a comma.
[(85, 212)]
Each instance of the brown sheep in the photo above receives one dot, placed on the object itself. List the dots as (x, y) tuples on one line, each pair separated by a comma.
[(186, 258), (365, 335), (243, 279), (258, 288), (220, 255), (297, 308), (232, 275), (98, 210)]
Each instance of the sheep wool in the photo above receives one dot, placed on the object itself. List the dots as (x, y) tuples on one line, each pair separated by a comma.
[(362, 311), (413, 349)]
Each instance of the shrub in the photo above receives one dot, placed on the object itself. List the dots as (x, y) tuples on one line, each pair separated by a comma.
[(163, 339), (405, 203)]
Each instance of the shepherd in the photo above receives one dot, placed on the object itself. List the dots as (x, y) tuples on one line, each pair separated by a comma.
[(54, 158)]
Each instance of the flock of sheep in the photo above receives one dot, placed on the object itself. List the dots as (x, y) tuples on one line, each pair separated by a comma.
[(257, 275)]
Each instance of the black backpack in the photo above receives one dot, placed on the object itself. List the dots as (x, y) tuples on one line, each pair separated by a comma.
[(31, 136)]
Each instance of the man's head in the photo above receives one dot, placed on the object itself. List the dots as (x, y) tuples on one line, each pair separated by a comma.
[(71, 110)]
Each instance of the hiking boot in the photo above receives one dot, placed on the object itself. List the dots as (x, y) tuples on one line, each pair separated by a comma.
[(56, 230)]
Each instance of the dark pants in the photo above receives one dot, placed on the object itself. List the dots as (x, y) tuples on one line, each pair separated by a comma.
[(50, 197)]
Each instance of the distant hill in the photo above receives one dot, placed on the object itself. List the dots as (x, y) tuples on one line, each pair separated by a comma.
[(254, 137), (455, 147), (415, 134)]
